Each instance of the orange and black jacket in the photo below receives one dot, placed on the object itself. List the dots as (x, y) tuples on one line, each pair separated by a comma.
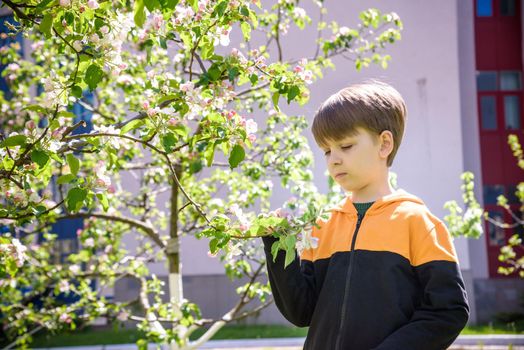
[(389, 279)]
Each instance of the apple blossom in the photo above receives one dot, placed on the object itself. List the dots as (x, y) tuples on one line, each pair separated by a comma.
[(77, 45), (186, 87), (89, 242), (251, 126), (93, 4), (94, 38), (299, 12), (65, 3)]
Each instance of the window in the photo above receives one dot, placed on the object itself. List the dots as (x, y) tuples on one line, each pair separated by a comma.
[(487, 81), (508, 8), (488, 112), (510, 81), (83, 113), (512, 112), (512, 195), (484, 8), (495, 231), (491, 192), (5, 42)]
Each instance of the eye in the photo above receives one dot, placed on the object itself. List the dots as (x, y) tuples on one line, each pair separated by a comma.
[(326, 153), (347, 147)]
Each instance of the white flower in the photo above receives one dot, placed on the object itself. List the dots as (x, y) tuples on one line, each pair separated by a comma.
[(18, 252), (251, 126), (123, 316), (189, 86), (93, 4), (64, 286), (299, 12), (65, 3), (34, 197), (343, 31), (77, 45), (307, 76), (306, 241), (13, 67), (89, 242), (74, 269), (94, 38)]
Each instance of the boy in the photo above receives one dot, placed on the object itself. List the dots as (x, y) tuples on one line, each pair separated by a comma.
[(385, 273)]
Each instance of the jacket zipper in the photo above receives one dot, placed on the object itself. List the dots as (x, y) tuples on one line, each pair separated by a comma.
[(348, 277)]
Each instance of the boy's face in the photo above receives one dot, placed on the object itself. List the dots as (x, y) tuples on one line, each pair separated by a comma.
[(356, 162)]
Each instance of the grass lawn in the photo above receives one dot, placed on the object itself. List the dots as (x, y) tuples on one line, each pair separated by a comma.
[(91, 336)]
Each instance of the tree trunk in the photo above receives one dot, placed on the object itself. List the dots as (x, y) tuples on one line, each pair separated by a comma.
[(173, 249)]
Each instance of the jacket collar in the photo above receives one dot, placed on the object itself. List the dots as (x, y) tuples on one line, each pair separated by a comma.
[(395, 198)]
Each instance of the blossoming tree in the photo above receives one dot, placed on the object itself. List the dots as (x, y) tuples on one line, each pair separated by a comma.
[(174, 101)]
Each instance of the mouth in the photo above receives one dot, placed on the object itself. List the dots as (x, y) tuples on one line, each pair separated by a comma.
[(339, 175)]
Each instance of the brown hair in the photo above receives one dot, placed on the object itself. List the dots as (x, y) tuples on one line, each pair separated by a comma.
[(372, 105)]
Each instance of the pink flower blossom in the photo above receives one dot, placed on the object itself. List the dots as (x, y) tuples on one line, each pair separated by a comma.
[(252, 137), (65, 318), (30, 125), (158, 21), (189, 86), (65, 3), (93, 4)]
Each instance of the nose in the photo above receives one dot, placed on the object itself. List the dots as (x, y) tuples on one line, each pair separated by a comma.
[(334, 158)]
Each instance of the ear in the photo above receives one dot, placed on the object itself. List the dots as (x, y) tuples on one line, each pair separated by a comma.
[(386, 144)]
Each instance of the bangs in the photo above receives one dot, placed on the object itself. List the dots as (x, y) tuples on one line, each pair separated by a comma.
[(333, 123)]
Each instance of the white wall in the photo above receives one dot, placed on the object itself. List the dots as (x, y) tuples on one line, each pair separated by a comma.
[(425, 69)]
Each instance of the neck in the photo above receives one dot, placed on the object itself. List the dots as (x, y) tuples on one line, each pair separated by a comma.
[(372, 191)]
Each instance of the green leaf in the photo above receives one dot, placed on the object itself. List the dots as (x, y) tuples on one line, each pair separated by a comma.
[(233, 72), (16, 140), (186, 38), (292, 93), (151, 5), (210, 153), (290, 250), (76, 91), (64, 179), (39, 157), (275, 98), (66, 114), (140, 13), (93, 76), (171, 4), (274, 250), (195, 166), (214, 72), (237, 155), (220, 9), (131, 126), (35, 108), (74, 163), (43, 4), (8, 163), (75, 198), (45, 25), (246, 30), (168, 141), (103, 200), (213, 245)]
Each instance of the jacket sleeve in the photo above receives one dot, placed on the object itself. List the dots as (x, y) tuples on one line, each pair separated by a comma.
[(443, 311), (293, 287)]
